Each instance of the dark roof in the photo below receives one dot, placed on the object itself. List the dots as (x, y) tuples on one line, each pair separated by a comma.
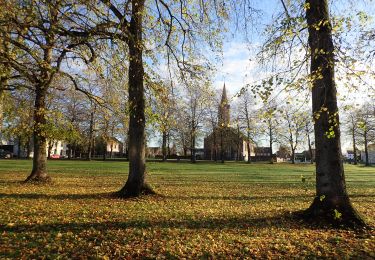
[(262, 149)]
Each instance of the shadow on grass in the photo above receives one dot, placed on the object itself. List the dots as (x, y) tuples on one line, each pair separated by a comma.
[(57, 196), (282, 221), (109, 195), (244, 198)]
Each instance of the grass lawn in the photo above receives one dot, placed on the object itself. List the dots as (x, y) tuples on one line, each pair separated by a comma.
[(208, 211)]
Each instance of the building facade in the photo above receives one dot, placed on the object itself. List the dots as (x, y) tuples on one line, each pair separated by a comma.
[(226, 142)]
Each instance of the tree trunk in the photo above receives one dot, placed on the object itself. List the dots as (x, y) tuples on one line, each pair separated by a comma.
[(164, 146), (215, 146), (193, 158), (136, 185), (50, 145), (105, 151), (39, 171), (293, 156), (5, 71), (248, 147), (93, 147), (239, 145), (310, 149), (19, 148), (168, 145), (331, 203), (69, 151), (1, 106), (354, 148), (112, 142), (28, 148), (367, 163), (91, 136), (271, 142)]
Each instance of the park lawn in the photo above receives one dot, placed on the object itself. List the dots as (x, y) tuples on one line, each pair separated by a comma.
[(207, 210)]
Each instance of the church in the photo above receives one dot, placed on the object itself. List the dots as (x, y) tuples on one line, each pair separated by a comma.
[(226, 143)]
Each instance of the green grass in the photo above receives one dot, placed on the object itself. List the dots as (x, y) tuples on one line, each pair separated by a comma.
[(208, 211)]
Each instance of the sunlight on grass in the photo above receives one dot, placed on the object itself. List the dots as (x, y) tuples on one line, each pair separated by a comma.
[(207, 210)]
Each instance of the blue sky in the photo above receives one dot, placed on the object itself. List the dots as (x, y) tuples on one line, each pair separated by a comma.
[(238, 65)]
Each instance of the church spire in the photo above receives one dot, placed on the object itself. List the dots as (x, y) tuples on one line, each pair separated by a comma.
[(224, 98), (224, 106)]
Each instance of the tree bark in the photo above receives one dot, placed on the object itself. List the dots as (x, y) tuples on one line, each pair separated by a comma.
[(50, 145), (310, 149), (168, 144), (39, 171), (367, 163), (91, 135), (19, 147), (193, 158), (331, 204), (354, 148), (136, 185), (239, 144), (247, 116), (164, 146), (111, 151), (271, 142), (105, 150), (293, 156), (3, 81), (28, 148), (1, 106), (215, 145)]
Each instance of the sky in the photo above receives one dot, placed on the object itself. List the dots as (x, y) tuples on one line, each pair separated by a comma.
[(239, 67)]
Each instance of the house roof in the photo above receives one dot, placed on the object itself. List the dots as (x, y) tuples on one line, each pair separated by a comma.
[(262, 149)]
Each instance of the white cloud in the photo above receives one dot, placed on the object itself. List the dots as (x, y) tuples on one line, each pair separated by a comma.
[(237, 68)]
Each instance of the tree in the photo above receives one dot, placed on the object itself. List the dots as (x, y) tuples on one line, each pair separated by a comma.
[(351, 126), (332, 201), (196, 105), (91, 135), (270, 125), (168, 24), (366, 127), (18, 118), (181, 129), (4, 70), (309, 129), (284, 152), (133, 30), (247, 118), (212, 124), (31, 30), (295, 123), (164, 106)]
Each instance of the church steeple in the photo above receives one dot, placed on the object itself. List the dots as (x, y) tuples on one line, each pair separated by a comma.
[(224, 107)]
